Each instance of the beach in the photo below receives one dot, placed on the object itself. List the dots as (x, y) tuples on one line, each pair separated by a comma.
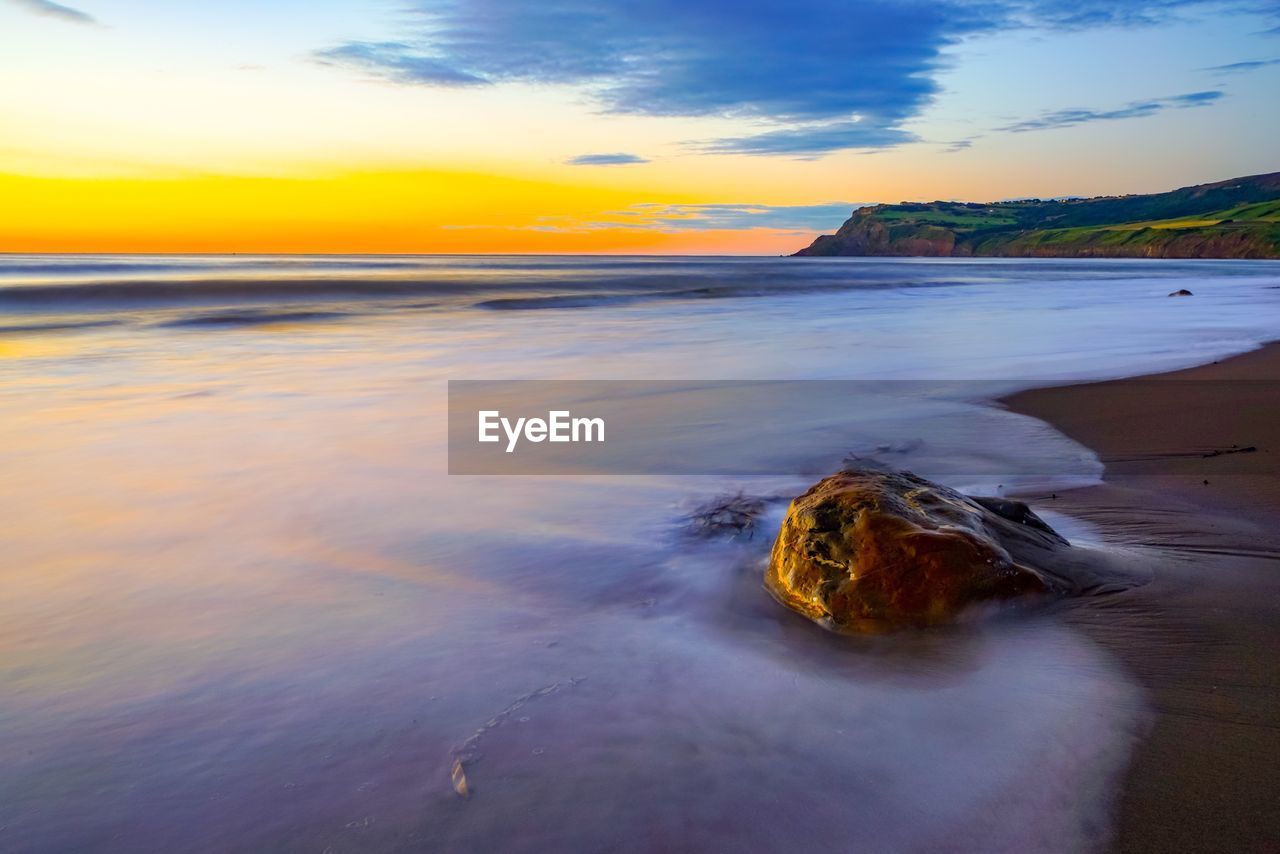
[(248, 607), (1203, 637), (548, 427)]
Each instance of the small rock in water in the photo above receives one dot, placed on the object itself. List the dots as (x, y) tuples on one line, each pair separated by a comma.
[(459, 779), (727, 515), (1182, 292)]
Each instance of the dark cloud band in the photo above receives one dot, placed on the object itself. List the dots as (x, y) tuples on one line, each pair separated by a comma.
[(816, 75)]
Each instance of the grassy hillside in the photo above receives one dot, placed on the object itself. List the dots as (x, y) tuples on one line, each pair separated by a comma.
[(1229, 219)]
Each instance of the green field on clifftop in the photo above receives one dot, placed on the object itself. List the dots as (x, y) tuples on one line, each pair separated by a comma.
[(1229, 219)]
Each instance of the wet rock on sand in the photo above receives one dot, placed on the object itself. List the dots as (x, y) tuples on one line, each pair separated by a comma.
[(727, 515), (866, 551)]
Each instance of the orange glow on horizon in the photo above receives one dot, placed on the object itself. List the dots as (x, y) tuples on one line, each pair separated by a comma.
[(427, 212)]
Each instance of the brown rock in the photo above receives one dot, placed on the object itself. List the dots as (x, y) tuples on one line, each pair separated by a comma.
[(867, 551)]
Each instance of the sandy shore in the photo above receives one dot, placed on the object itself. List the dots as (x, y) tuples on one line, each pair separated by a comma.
[(1204, 636)]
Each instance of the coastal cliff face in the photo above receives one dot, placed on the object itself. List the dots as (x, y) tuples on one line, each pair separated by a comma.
[(1229, 219), (865, 233)]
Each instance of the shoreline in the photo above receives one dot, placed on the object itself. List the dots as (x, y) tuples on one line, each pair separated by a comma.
[(1203, 637)]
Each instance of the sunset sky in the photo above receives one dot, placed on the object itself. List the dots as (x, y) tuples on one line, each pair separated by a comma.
[(580, 126)]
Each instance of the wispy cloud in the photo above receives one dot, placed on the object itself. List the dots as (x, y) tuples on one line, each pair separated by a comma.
[(815, 75), (49, 9), (1242, 67), (1135, 110), (398, 62), (719, 217), (616, 159), (812, 140), (672, 219), (960, 145), (1085, 14)]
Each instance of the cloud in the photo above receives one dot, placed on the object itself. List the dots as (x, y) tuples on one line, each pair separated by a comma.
[(49, 9), (1241, 67), (616, 159), (800, 218), (719, 217), (815, 75), (710, 217), (1195, 99), (960, 145), (671, 219), (803, 69), (398, 62), (1135, 110), (1085, 14), (811, 140)]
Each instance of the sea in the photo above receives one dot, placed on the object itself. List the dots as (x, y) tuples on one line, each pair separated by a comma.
[(246, 606)]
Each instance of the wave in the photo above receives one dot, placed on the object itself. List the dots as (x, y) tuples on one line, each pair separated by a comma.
[(563, 290), (125, 285), (252, 318), (64, 326), (61, 268), (560, 301), (708, 292), (156, 291)]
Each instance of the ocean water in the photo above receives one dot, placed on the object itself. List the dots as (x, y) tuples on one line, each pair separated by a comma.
[(246, 608)]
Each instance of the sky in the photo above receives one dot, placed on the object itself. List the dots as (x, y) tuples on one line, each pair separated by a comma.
[(638, 126)]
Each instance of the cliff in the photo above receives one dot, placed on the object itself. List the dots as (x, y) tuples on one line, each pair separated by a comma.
[(1228, 219)]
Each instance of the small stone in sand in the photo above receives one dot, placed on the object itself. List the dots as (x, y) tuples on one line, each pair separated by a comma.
[(459, 778)]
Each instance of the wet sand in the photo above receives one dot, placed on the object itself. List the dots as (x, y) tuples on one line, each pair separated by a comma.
[(1203, 637)]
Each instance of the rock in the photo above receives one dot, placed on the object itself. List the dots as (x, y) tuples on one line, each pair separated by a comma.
[(458, 776), (868, 551), (727, 515), (1182, 292)]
